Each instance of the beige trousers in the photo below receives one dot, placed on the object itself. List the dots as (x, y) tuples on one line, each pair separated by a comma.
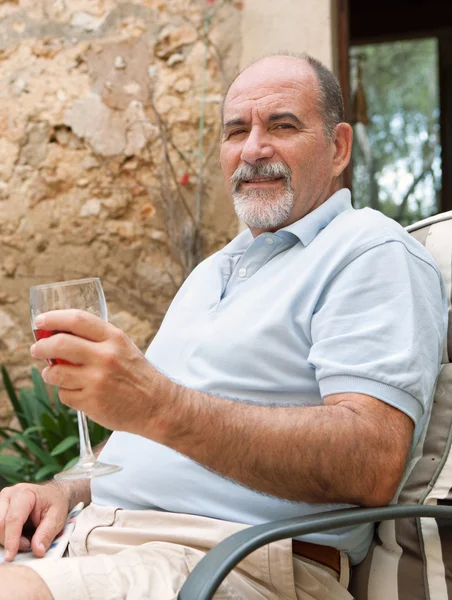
[(143, 554)]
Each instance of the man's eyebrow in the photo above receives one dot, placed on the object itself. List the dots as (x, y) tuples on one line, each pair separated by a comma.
[(285, 116), (272, 118), (233, 123)]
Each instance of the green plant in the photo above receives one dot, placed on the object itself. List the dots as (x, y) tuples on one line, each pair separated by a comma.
[(46, 439)]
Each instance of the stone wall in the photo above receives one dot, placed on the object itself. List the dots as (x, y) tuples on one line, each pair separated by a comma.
[(292, 25), (100, 167)]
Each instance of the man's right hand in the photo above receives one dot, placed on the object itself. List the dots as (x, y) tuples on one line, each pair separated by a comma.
[(42, 507)]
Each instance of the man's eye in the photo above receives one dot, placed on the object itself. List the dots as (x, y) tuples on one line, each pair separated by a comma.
[(236, 132), (285, 126)]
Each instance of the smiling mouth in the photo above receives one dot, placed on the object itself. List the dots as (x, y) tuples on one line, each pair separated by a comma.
[(262, 180)]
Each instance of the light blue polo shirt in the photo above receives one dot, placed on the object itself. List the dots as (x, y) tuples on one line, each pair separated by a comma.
[(343, 300)]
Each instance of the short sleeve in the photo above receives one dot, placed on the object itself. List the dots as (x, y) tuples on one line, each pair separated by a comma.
[(378, 329)]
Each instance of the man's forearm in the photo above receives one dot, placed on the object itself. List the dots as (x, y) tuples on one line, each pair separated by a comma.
[(310, 454)]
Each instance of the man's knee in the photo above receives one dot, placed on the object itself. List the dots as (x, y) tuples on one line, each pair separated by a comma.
[(22, 583)]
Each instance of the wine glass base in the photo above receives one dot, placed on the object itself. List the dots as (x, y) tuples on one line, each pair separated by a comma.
[(87, 469)]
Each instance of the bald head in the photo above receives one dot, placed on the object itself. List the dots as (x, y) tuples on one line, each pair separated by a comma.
[(305, 71)]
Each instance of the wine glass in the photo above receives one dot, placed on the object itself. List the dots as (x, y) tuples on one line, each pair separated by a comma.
[(84, 294)]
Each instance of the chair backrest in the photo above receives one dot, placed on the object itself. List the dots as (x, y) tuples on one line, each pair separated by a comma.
[(411, 559)]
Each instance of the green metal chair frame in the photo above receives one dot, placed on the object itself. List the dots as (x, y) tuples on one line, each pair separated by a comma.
[(211, 570)]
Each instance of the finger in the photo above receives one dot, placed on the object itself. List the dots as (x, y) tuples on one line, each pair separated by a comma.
[(64, 347), (47, 530), (78, 322), (75, 399), (4, 505), (66, 377), (15, 519), (24, 544)]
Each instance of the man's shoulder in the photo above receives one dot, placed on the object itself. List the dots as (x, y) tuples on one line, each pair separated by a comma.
[(366, 223), (363, 229)]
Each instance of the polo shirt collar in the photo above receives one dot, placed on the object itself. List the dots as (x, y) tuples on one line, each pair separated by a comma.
[(310, 225), (304, 229)]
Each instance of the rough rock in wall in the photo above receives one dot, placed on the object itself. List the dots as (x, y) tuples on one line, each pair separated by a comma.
[(106, 167)]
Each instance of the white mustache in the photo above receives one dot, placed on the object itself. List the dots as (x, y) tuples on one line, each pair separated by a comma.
[(247, 172)]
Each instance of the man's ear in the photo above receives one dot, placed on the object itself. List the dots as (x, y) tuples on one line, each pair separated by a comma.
[(342, 140)]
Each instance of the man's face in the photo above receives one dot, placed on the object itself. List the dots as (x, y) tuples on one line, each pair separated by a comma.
[(276, 158)]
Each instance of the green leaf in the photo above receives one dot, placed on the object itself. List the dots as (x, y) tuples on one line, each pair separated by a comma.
[(13, 397), (33, 429), (49, 423), (45, 472), (67, 422), (42, 455), (6, 431), (10, 388), (10, 466), (11, 478), (57, 404), (39, 386), (69, 442), (43, 407), (10, 460), (43, 403), (98, 433), (71, 463), (27, 401), (12, 443)]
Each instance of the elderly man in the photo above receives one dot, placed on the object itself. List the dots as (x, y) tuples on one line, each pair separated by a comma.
[(290, 375)]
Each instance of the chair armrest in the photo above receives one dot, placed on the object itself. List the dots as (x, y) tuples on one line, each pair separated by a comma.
[(208, 574)]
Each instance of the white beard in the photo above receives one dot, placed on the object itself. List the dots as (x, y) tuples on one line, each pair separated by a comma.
[(263, 209)]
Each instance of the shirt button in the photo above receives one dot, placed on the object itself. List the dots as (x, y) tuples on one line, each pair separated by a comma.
[(242, 272), (269, 240)]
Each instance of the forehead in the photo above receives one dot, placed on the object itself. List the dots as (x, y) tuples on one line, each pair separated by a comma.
[(273, 84)]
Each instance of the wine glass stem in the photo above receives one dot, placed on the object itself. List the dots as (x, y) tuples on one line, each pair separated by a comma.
[(86, 452)]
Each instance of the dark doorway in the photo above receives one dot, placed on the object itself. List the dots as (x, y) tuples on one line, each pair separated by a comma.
[(364, 23)]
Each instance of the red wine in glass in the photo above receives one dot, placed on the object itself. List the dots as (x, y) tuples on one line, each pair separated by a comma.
[(40, 334)]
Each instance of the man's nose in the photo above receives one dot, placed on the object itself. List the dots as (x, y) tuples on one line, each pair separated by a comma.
[(257, 146)]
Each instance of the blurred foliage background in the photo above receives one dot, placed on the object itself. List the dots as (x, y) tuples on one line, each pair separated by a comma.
[(397, 152), (43, 437)]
